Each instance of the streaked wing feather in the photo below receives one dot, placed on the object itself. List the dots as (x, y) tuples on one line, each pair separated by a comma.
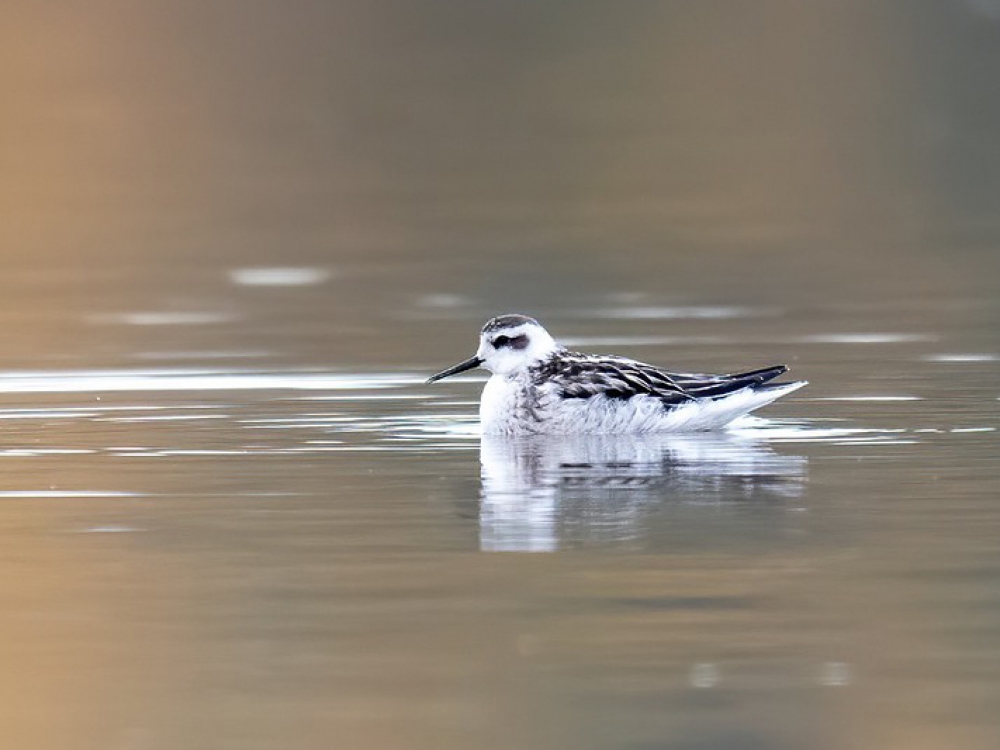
[(706, 386), (584, 376)]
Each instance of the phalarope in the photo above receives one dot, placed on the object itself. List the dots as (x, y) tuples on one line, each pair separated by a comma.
[(539, 387)]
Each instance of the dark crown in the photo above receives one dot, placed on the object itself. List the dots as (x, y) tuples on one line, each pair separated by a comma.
[(507, 321)]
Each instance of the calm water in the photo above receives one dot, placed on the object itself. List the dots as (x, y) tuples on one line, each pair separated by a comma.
[(235, 238), (214, 540)]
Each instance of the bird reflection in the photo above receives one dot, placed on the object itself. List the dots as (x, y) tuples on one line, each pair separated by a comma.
[(543, 492)]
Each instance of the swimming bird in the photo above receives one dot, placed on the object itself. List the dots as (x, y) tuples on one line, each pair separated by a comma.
[(540, 387)]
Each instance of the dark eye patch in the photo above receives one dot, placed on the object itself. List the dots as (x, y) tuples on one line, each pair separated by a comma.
[(517, 342)]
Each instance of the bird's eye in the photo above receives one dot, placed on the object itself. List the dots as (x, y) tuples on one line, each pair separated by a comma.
[(500, 341)]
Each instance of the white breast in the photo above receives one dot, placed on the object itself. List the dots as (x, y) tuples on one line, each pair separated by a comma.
[(499, 405)]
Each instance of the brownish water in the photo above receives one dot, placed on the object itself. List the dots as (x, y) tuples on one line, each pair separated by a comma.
[(236, 238)]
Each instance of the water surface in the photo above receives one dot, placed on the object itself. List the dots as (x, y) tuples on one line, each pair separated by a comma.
[(237, 237), (242, 549)]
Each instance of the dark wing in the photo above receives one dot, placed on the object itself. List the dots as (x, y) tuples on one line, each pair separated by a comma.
[(583, 376), (708, 386)]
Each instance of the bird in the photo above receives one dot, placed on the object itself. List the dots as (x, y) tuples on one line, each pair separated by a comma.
[(538, 387)]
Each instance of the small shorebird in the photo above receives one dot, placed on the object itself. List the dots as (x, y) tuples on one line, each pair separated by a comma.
[(539, 387)]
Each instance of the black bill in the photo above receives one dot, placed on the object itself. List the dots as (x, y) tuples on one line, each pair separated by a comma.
[(468, 364)]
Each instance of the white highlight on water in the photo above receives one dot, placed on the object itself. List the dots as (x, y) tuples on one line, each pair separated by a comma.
[(679, 312), (165, 318), (962, 358), (61, 494), (97, 381), (863, 338), (279, 276), (704, 676)]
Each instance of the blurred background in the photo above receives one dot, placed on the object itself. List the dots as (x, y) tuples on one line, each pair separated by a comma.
[(234, 236), (515, 153)]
